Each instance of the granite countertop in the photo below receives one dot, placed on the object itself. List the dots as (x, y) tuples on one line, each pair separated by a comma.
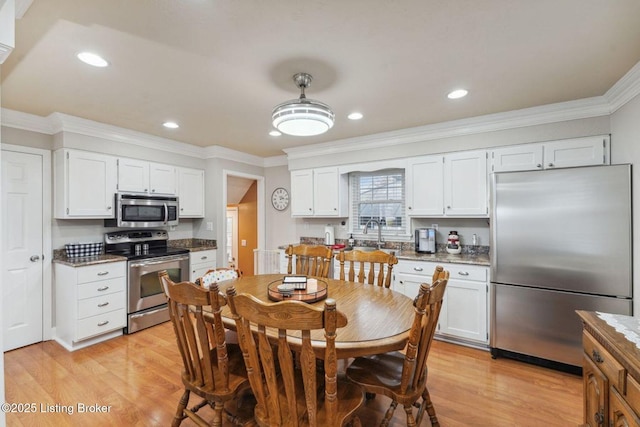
[(61, 258), (193, 245)]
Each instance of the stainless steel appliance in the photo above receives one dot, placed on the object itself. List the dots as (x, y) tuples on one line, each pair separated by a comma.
[(561, 241), (142, 211), (425, 239), (147, 254)]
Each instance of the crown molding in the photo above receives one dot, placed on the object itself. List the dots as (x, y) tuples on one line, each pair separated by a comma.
[(274, 161), (552, 113), (21, 7), (625, 89), (26, 121), (217, 151)]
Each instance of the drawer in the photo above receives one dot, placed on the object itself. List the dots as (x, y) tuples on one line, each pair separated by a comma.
[(620, 413), (100, 324), (421, 268), (104, 271), (203, 257), (101, 304), (467, 272), (103, 287), (610, 367), (633, 394)]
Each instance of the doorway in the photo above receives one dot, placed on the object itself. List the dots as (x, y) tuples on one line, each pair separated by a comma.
[(26, 246), (244, 194), (232, 237)]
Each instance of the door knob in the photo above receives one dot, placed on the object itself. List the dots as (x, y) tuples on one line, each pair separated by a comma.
[(34, 258)]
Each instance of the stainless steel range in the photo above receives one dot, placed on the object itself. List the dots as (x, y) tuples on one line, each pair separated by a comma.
[(147, 254)]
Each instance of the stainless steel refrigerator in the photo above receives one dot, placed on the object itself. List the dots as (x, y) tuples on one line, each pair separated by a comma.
[(561, 240)]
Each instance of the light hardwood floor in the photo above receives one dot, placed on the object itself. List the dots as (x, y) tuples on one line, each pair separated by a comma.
[(135, 379)]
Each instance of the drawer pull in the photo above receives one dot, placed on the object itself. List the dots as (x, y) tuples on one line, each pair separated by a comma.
[(104, 304), (417, 268), (463, 273), (596, 356), (103, 273), (103, 288), (203, 257), (104, 322)]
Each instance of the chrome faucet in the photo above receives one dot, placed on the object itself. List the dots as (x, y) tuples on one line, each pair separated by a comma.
[(366, 229)]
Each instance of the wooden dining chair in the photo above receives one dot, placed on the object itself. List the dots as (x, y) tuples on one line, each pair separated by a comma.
[(212, 369), (287, 395), (402, 376), (310, 260), (354, 265)]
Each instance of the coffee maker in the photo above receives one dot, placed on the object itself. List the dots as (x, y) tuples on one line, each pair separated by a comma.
[(425, 240)]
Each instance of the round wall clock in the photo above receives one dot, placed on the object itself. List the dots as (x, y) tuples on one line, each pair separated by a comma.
[(280, 199)]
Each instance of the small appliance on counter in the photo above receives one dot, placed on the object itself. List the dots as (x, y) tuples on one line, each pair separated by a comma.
[(425, 240), (329, 235), (453, 243)]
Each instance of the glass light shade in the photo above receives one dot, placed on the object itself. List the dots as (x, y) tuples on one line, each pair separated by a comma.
[(303, 117)]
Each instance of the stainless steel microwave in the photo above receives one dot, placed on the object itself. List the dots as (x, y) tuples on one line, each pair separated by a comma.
[(142, 211)]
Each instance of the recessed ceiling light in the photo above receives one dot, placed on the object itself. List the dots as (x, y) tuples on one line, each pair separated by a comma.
[(171, 125), (458, 93), (92, 59), (275, 133), (355, 116)]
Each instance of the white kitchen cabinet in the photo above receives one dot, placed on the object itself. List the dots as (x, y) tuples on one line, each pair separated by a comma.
[(139, 176), (191, 192), (464, 309), (453, 184), (200, 262), (85, 184), (424, 183), (464, 314), (585, 151), (465, 184), (90, 303), (321, 192)]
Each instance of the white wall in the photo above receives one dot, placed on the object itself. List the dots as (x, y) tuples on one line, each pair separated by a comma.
[(625, 148)]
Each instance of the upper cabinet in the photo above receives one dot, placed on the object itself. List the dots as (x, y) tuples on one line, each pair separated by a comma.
[(450, 185), (85, 184), (191, 192), (586, 151), (321, 192), (139, 176)]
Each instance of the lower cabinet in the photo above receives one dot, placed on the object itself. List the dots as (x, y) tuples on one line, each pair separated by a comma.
[(464, 314), (90, 303), (200, 262)]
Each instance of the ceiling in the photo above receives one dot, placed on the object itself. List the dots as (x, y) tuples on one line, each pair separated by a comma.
[(218, 67)]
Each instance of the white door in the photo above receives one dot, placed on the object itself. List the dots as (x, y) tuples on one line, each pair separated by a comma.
[(232, 237), (22, 251)]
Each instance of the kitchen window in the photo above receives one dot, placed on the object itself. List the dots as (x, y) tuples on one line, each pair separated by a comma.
[(379, 196)]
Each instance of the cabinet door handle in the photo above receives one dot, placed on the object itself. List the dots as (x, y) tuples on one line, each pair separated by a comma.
[(108, 208), (203, 257), (598, 417), (595, 354), (539, 165), (103, 288), (410, 208), (104, 322), (463, 273), (550, 165), (104, 304), (417, 268), (103, 273)]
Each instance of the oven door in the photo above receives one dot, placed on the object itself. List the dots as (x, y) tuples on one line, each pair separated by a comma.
[(145, 289)]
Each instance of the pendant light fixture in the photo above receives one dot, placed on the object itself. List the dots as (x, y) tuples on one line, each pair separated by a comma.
[(302, 117)]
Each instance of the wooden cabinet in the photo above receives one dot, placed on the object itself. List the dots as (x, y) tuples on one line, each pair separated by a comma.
[(90, 303), (464, 314), (191, 192), (200, 262), (585, 151), (610, 371), (84, 184), (321, 192), (450, 185), (139, 176)]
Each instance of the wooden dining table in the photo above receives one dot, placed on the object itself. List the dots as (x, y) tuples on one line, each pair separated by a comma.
[(378, 319)]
